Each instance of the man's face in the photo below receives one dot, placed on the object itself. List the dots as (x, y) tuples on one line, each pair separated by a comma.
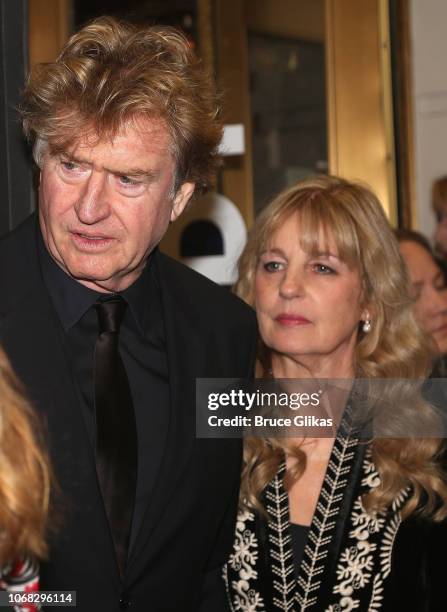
[(103, 207)]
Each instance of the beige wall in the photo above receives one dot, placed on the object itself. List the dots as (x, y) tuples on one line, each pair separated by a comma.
[(429, 53)]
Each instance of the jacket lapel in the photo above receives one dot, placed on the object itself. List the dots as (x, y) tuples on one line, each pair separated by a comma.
[(186, 358)]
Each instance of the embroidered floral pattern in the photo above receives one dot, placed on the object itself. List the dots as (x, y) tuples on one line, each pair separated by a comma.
[(243, 562), (363, 564), (358, 567)]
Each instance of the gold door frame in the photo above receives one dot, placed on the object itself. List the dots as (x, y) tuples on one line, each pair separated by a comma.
[(360, 115), (359, 96)]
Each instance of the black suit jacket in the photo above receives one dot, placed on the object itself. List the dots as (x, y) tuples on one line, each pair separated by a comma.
[(187, 529)]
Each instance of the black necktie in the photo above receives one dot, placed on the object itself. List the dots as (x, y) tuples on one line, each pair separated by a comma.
[(116, 435)]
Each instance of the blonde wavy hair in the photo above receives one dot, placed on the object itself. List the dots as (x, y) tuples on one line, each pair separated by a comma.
[(24, 473), (111, 72), (396, 347)]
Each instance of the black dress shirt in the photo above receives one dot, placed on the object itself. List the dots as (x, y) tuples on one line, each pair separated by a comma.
[(143, 350)]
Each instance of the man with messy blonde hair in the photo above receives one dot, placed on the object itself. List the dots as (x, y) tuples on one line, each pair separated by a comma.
[(109, 335), (110, 73)]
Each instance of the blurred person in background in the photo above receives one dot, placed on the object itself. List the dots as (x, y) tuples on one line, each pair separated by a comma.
[(24, 489), (334, 523), (429, 290)]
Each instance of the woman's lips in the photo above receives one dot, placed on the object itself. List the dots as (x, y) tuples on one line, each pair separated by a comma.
[(291, 320), (440, 329)]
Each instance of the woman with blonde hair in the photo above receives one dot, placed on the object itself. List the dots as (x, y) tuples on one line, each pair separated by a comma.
[(336, 523), (24, 489)]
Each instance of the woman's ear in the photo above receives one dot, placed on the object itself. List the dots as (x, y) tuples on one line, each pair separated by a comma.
[(365, 314), (366, 319)]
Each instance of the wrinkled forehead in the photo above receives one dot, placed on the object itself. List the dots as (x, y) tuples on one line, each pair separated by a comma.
[(138, 130)]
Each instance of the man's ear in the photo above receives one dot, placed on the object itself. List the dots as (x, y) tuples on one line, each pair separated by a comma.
[(181, 199)]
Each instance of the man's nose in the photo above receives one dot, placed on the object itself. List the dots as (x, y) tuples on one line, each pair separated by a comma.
[(93, 204), (292, 284)]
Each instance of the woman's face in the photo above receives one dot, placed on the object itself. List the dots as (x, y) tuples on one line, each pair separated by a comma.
[(429, 291), (307, 305)]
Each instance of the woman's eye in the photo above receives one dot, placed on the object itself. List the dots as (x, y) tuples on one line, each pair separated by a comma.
[(272, 266), (323, 269)]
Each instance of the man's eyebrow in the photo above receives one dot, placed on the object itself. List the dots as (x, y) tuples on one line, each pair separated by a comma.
[(137, 172)]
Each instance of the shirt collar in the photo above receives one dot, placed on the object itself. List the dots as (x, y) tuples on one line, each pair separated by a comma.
[(71, 299), (137, 296)]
